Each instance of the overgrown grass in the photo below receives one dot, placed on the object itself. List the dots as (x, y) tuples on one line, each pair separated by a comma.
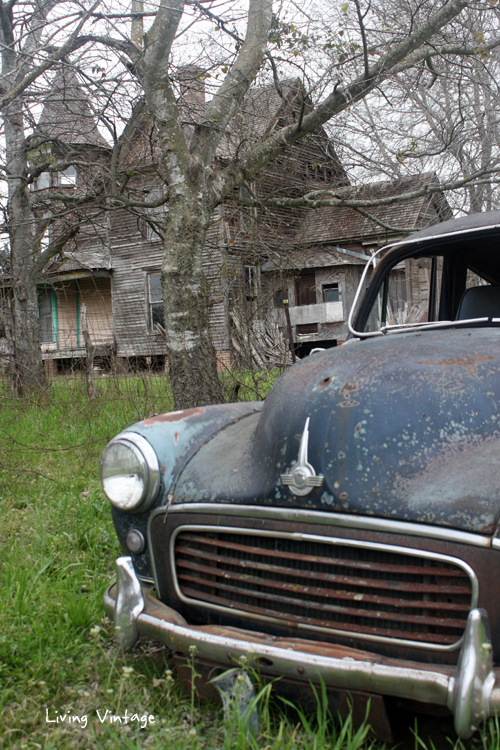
[(57, 552)]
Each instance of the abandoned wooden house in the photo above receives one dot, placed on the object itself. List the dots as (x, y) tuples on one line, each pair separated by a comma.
[(279, 278), (239, 239), (74, 291), (310, 291)]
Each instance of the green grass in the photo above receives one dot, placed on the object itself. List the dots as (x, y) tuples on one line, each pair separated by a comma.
[(57, 550)]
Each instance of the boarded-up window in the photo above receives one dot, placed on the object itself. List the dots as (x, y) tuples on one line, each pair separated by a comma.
[(305, 289), (155, 302)]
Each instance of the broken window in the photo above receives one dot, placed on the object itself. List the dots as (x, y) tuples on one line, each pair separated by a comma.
[(251, 281)]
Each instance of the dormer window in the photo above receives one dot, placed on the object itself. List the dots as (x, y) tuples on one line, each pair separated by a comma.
[(67, 176)]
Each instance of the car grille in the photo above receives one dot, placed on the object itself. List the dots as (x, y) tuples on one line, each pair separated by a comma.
[(327, 585)]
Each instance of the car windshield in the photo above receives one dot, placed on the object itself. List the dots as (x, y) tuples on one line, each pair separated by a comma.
[(459, 285)]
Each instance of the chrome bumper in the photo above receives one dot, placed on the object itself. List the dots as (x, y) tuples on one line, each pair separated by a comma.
[(468, 690)]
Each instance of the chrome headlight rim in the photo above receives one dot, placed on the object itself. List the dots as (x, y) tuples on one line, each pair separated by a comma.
[(148, 460)]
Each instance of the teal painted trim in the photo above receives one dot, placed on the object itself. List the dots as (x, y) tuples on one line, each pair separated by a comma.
[(77, 307), (55, 317)]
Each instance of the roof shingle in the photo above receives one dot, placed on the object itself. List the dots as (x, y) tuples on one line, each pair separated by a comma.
[(342, 224), (67, 115)]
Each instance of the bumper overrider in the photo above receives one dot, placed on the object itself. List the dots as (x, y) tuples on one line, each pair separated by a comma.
[(469, 690)]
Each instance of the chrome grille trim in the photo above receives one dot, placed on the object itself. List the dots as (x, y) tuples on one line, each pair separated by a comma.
[(313, 538), (343, 520)]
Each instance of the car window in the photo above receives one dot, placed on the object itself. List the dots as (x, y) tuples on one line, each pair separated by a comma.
[(409, 294), (413, 291)]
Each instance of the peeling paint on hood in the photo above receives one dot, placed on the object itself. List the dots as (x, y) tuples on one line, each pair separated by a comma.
[(404, 427)]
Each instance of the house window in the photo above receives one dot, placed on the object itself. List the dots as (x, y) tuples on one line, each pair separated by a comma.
[(280, 298), (305, 289), (331, 292), (251, 281), (67, 176), (47, 314), (156, 316), (307, 328)]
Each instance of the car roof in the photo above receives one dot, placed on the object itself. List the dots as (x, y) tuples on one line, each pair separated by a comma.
[(472, 223), (472, 239)]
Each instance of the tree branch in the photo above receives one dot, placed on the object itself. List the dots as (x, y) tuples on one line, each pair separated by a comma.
[(336, 102), (231, 93), (73, 43), (319, 198), (428, 53), (363, 38), (52, 250)]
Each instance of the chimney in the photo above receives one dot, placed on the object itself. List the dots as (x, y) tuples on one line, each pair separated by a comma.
[(192, 84)]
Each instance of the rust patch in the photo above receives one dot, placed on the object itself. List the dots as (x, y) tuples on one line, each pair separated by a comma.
[(173, 416), (467, 362), (348, 387), (349, 391)]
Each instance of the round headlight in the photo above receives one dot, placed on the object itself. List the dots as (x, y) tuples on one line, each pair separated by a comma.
[(130, 474)]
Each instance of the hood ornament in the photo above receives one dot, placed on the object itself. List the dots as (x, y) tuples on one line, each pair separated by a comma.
[(302, 477)]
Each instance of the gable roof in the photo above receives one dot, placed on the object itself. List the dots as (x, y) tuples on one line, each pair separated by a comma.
[(262, 110), (325, 257), (67, 115), (342, 225)]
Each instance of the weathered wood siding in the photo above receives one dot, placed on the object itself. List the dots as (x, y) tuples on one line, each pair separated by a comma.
[(346, 276), (134, 257), (66, 316), (96, 294)]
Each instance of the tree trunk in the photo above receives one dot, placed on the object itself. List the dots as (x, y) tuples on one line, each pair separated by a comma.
[(90, 352), (191, 355), (27, 368), (27, 371)]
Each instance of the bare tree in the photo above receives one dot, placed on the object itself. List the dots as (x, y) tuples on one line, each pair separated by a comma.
[(198, 182), (440, 115), (35, 37), (365, 56)]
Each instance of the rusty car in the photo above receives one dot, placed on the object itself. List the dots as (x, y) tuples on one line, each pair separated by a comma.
[(346, 529)]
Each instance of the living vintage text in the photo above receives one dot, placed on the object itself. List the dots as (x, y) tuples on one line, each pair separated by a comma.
[(54, 717)]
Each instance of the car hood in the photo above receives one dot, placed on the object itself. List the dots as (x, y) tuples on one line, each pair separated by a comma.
[(404, 426)]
